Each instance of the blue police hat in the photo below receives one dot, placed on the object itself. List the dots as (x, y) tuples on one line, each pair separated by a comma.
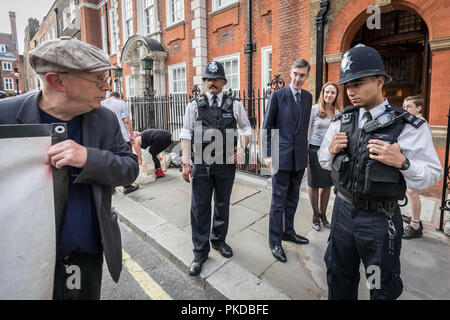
[(361, 61), (214, 70)]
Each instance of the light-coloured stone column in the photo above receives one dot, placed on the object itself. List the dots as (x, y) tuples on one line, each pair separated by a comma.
[(200, 41)]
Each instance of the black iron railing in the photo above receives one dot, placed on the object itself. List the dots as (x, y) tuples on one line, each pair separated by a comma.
[(445, 205)]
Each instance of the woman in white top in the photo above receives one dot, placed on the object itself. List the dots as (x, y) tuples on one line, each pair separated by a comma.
[(321, 114)]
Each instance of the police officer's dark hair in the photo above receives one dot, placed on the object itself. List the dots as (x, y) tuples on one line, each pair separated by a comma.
[(301, 63), (115, 94)]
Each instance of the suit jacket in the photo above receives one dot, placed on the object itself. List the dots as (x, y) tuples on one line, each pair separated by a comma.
[(110, 162), (282, 114)]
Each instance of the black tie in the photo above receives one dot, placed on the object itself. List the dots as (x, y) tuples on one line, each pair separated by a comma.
[(215, 104)]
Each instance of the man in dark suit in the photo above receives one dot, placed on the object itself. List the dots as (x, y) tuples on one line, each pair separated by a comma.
[(288, 112), (95, 157)]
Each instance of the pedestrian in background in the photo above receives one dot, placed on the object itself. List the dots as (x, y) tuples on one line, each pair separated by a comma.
[(120, 108), (157, 140), (319, 179)]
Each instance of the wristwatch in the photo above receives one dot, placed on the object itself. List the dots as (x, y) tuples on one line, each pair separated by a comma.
[(405, 164)]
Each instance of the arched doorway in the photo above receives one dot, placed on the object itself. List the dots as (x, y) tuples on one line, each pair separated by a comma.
[(135, 49), (402, 42)]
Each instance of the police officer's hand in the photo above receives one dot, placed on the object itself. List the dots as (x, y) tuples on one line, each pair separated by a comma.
[(187, 172), (387, 153), (67, 153), (338, 142), (268, 162)]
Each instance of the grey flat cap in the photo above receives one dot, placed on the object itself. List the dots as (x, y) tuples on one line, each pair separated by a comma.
[(68, 55)]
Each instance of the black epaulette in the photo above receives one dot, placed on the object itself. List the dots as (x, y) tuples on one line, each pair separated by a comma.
[(407, 117), (346, 110), (192, 100)]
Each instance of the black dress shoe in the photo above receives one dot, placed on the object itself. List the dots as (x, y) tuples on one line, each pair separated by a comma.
[(223, 248), (196, 267), (278, 253), (296, 239), (129, 189)]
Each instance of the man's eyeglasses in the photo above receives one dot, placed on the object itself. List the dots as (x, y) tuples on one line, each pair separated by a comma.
[(99, 82)]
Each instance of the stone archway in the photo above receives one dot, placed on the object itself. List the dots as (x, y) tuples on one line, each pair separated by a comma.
[(135, 49)]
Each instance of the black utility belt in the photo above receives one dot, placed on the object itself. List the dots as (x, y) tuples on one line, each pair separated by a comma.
[(371, 205)]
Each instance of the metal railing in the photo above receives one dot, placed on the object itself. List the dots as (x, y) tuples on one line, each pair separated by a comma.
[(445, 205)]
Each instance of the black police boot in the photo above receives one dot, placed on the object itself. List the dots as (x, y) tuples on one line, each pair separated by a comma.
[(196, 266), (130, 188)]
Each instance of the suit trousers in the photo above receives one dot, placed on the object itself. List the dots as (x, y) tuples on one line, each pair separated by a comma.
[(209, 179), (78, 277), (285, 195), (359, 235)]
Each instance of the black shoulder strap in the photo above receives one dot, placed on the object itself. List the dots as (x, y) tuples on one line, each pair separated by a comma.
[(407, 117)]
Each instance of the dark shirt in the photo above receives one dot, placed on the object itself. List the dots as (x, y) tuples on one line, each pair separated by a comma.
[(80, 230)]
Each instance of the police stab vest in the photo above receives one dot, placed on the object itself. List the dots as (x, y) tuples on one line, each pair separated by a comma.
[(357, 176), (215, 129)]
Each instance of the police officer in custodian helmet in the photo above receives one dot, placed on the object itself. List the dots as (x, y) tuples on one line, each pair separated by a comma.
[(373, 150), (210, 125)]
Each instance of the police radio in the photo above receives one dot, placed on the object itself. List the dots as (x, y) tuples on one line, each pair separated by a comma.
[(382, 121)]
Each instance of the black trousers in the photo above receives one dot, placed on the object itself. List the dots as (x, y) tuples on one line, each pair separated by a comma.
[(285, 195), (209, 179), (78, 277), (359, 235), (157, 140)]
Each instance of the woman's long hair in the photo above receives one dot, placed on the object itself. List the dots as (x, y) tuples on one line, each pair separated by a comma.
[(321, 102)]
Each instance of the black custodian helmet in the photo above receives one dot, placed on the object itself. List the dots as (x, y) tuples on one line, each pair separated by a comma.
[(214, 70), (361, 61)]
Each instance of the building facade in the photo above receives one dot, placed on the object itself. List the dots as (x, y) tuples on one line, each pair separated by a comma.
[(62, 19), (10, 60)]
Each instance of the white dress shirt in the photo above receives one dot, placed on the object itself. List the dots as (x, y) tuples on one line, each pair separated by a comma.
[(415, 143), (191, 115)]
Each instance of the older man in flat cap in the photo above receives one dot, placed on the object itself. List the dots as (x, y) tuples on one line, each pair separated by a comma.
[(73, 76)]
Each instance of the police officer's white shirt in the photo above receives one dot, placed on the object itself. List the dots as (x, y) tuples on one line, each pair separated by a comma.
[(191, 115), (415, 143)]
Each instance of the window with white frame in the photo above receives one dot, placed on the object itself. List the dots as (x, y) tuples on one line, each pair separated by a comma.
[(114, 31), (7, 66), (177, 78), (9, 84), (266, 67), (104, 42), (149, 17), (231, 65), (128, 19), (65, 17), (175, 11), (2, 48), (217, 4), (128, 87)]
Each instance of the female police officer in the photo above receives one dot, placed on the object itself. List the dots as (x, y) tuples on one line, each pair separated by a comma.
[(213, 118), (371, 149)]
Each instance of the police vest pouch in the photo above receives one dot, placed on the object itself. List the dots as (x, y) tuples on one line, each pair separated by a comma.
[(340, 172), (383, 182)]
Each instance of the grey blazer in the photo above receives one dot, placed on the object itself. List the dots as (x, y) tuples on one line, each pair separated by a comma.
[(110, 162)]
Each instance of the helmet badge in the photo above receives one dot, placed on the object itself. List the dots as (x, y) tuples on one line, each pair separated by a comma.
[(213, 67), (346, 62)]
